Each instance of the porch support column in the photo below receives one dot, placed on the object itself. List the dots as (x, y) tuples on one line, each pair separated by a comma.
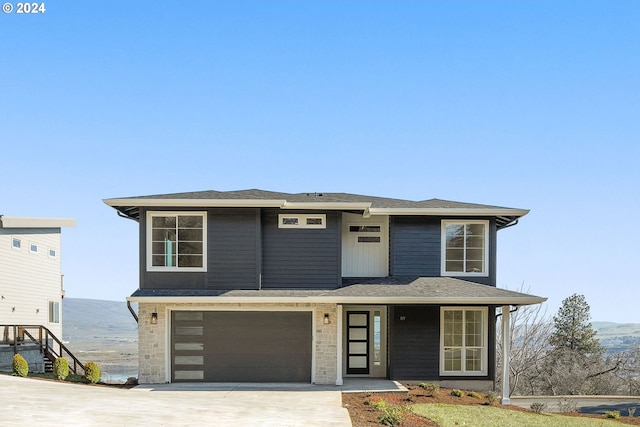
[(339, 345), (506, 332)]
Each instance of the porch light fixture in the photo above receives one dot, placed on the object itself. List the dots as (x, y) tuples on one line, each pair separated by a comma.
[(154, 318), (326, 320)]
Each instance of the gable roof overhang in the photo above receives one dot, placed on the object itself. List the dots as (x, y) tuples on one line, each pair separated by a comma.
[(389, 290), (368, 205)]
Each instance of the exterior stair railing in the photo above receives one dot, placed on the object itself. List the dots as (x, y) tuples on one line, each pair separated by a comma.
[(50, 346)]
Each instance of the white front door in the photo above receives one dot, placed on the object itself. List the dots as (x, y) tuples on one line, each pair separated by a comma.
[(365, 246)]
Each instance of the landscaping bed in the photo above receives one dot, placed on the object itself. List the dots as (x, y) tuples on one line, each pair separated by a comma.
[(364, 410)]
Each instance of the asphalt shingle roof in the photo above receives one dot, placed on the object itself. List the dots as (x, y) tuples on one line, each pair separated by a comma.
[(130, 206), (376, 202), (421, 290)]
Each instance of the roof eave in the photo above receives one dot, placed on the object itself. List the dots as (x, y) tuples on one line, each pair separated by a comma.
[(340, 300), (27, 222), (451, 211), (205, 203)]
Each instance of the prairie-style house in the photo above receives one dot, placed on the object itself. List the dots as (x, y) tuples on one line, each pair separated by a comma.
[(260, 286)]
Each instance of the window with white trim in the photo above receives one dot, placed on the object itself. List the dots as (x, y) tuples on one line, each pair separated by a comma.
[(52, 253), (465, 248), (33, 248), (16, 243), (463, 340), (54, 312), (176, 241), (302, 221)]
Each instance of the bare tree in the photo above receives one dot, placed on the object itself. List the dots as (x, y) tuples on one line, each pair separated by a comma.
[(529, 344)]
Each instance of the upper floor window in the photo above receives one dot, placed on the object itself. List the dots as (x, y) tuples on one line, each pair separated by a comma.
[(176, 241), (302, 221), (366, 233), (465, 248), (463, 341), (33, 248), (16, 243), (52, 253)]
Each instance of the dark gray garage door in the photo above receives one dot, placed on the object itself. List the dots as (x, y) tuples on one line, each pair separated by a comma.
[(241, 346)]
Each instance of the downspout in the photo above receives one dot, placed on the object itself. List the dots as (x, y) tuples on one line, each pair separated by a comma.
[(133, 313)]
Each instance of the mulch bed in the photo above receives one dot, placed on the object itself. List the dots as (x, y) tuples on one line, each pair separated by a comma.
[(362, 414)]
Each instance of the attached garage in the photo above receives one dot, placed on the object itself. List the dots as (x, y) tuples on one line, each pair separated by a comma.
[(241, 346)]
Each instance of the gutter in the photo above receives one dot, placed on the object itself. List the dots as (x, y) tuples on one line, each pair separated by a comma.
[(337, 300)]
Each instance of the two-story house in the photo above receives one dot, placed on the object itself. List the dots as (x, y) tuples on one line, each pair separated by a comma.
[(259, 286)]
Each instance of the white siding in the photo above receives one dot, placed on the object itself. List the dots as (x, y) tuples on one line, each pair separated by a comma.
[(29, 281), (365, 259)]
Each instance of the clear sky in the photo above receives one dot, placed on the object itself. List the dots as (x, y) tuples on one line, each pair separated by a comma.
[(527, 104)]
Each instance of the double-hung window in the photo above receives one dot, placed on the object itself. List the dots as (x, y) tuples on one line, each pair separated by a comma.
[(463, 341), (465, 248), (176, 241)]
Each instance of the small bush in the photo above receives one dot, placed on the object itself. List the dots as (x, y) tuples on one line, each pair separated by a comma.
[(612, 414), (431, 388), (61, 368), (538, 407), (631, 411), (457, 393), (92, 372), (20, 366), (392, 415), (568, 406), (378, 404), (490, 398), (474, 395)]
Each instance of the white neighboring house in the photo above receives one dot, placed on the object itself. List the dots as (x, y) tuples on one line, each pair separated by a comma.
[(31, 288)]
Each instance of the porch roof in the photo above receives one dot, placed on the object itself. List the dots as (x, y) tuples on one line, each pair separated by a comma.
[(387, 290)]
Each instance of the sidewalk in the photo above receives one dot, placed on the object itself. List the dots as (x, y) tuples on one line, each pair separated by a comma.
[(584, 404)]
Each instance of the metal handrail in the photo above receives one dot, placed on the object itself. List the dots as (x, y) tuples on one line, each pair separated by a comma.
[(44, 335)]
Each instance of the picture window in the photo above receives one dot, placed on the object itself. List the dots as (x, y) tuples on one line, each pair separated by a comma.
[(465, 248), (176, 241)]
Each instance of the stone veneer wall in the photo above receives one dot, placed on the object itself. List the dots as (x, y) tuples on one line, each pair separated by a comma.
[(152, 345)]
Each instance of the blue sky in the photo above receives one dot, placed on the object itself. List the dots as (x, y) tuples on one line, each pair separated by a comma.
[(527, 104)]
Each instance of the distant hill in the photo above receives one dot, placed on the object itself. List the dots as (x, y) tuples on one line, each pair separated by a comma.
[(102, 331), (610, 329), (96, 317), (617, 337)]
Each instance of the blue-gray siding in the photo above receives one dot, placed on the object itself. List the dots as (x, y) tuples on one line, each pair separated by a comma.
[(233, 251), (301, 258), (415, 248), (247, 250), (414, 343)]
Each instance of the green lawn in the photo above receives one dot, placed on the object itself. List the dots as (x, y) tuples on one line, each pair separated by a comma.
[(489, 416)]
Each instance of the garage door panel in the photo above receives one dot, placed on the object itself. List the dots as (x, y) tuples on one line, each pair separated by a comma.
[(243, 347)]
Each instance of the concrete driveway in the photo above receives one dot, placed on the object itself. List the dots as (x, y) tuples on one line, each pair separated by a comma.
[(28, 402)]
